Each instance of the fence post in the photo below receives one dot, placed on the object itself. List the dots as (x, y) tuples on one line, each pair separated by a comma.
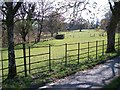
[(102, 47), (50, 57), (29, 60), (66, 54), (88, 50), (96, 49), (24, 53), (2, 64), (78, 52), (118, 43)]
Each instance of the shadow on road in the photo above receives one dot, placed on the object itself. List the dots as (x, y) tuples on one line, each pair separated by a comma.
[(92, 79)]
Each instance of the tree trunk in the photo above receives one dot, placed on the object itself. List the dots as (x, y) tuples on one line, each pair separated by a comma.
[(40, 27), (112, 26), (11, 56), (39, 36), (80, 30), (52, 34), (10, 11), (111, 34), (24, 53)]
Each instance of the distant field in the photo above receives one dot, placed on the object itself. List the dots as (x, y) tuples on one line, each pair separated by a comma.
[(76, 36), (58, 51)]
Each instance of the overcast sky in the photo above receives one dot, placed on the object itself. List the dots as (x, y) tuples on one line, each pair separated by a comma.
[(101, 7)]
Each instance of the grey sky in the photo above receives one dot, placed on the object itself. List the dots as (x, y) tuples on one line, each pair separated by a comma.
[(102, 7)]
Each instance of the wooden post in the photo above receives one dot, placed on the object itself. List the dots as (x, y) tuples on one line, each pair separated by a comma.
[(88, 50), (29, 60), (78, 53), (96, 49), (50, 57), (66, 54), (102, 47), (24, 54), (2, 64), (118, 44)]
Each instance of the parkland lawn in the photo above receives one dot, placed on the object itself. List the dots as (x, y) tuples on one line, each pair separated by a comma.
[(39, 64), (76, 36), (72, 38)]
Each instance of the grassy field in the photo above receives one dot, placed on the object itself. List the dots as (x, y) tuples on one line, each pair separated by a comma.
[(76, 36), (39, 64), (71, 38)]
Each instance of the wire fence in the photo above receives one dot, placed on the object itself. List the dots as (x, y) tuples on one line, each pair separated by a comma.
[(48, 58)]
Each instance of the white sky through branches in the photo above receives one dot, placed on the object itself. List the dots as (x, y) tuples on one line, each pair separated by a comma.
[(101, 8)]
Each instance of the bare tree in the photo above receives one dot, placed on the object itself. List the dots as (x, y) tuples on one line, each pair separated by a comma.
[(77, 8), (54, 23), (24, 23), (43, 8), (10, 9), (112, 26), (25, 19)]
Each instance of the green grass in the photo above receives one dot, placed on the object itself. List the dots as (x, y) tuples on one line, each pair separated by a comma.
[(113, 85), (76, 36), (58, 65), (58, 51), (61, 71)]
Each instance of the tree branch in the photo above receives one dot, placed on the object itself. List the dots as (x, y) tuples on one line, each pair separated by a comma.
[(8, 4), (4, 11), (111, 7), (17, 6)]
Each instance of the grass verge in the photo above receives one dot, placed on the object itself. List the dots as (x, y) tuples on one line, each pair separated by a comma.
[(60, 71), (113, 85)]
